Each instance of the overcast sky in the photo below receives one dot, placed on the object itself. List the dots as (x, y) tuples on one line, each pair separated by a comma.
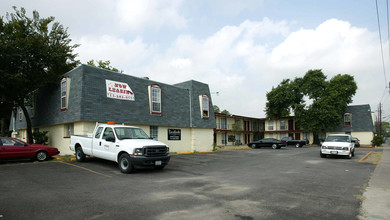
[(240, 48)]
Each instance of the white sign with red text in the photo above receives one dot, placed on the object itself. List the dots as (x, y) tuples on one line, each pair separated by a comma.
[(119, 90)]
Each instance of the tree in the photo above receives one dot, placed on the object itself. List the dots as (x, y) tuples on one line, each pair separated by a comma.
[(34, 53), (216, 109), (225, 112), (103, 64), (328, 100)]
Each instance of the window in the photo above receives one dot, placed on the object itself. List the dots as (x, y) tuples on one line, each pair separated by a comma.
[(63, 94), (224, 138), (205, 106), (282, 125), (347, 120), (108, 133), (98, 132), (69, 130), (270, 125), (20, 114), (155, 99), (223, 123), (154, 132)]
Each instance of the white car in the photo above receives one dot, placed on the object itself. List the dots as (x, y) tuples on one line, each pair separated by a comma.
[(338, 145)]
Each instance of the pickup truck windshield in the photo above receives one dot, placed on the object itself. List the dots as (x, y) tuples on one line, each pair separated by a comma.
[(337, 139), (130, 133)]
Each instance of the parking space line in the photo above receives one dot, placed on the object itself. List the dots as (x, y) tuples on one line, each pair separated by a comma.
[(365, 156), (85, 169)]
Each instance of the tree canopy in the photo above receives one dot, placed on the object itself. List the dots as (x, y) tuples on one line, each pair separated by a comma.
[(34, 53), (316, 103), (217, 110), (103, 64)]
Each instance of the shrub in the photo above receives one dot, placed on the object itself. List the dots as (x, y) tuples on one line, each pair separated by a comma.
[(40, 137), (377, 141)]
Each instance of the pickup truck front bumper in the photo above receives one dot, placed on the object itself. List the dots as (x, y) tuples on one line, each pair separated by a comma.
[(143, 161)]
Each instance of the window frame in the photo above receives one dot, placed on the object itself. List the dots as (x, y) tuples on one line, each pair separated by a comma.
[(20, 113), (347, 123), (68, 130), (152, 99), (270, 125), (203, 105), (153, 132), (282, 127), (64, 94)]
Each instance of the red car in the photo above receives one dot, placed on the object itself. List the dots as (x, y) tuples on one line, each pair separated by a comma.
[(12, 148)]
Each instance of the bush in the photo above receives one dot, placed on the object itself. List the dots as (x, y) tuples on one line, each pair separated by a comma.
[(40, 137), (377, 141)]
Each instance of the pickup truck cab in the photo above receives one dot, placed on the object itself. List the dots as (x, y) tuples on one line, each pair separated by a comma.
[(291, 141), (129, 146), (338, 145)]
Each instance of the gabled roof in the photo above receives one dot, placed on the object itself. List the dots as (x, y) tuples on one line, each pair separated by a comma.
[(361, 119)]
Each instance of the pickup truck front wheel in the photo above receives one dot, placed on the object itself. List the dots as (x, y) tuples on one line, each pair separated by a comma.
[(125, 164), (80, 156), (297, 145)]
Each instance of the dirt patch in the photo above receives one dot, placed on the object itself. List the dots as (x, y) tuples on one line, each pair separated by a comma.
[(374, 158)]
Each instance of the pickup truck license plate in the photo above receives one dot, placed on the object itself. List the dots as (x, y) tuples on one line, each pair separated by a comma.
[(334, 152), (157, 163)]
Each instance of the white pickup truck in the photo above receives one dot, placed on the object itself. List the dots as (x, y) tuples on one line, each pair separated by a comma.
[(129, 146), (338, 145)]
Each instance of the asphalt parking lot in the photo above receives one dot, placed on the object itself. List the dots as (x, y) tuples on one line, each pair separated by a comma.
[(290, 183)]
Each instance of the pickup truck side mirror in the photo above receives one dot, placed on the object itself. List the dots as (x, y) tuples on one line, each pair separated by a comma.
[(110, 139)]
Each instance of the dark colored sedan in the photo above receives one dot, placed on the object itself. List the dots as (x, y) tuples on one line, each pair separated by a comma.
[(267, 142), (12, 148), (356, 141)]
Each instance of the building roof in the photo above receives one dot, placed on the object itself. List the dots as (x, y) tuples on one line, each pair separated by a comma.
[(361, 119), (88, 101)]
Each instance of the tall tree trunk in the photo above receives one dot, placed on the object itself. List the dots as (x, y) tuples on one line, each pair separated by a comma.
[(2, 127), (316, 140), (30, 139)]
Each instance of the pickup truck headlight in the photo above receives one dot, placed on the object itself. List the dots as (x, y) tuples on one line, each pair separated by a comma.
[(345, 148), (137, 152), (324, 147)]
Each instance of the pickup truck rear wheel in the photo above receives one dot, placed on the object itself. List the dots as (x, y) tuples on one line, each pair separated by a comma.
[(80, 156), (297, 145), (253, 146), (125, 164), (275, 146)]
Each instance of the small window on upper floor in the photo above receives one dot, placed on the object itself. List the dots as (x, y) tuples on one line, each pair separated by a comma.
[(20, 114), (155, 99), (65, 85), (205, 106), (347, 120), (282, 125), (270, 125)]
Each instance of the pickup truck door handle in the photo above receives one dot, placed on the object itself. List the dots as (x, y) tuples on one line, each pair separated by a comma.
[(3, 148), (100, 143)]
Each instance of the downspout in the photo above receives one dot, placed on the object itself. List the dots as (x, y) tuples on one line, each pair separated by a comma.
[(190, 96)]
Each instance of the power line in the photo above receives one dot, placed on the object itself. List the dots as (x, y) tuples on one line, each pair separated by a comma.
[(380, 39)]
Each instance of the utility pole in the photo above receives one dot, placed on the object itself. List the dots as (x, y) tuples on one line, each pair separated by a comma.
[(380, 119)]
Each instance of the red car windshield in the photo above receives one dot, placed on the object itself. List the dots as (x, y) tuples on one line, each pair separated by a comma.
[(11, 142)]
